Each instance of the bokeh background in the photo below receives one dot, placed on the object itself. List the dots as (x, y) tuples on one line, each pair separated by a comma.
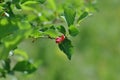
[(96, 50)]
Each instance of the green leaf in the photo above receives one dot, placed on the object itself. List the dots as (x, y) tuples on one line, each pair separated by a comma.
[(83, 15), (6, 65), (73, 31), (37, 63), (69, 14), (52, 4), (10, 11), (6, 27), (2, 73), (11, 41), (61, 29), (67, 48), (18, 6), (41, 1), (21, 53), (44, 29), (24, 66), (36, 33), (15, 1), (52, 32)]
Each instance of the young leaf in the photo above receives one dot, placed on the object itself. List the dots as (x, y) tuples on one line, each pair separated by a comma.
[(69, 14), (83, 15), (24, 66), (67, 48), (73, 31)]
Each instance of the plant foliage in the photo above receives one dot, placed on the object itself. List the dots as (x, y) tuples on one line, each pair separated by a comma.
[(23, 19)]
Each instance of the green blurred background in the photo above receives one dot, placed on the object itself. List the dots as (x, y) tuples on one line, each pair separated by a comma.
[(96, 55)]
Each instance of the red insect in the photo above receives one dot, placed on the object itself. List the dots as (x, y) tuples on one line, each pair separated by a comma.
[(60, 39)]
